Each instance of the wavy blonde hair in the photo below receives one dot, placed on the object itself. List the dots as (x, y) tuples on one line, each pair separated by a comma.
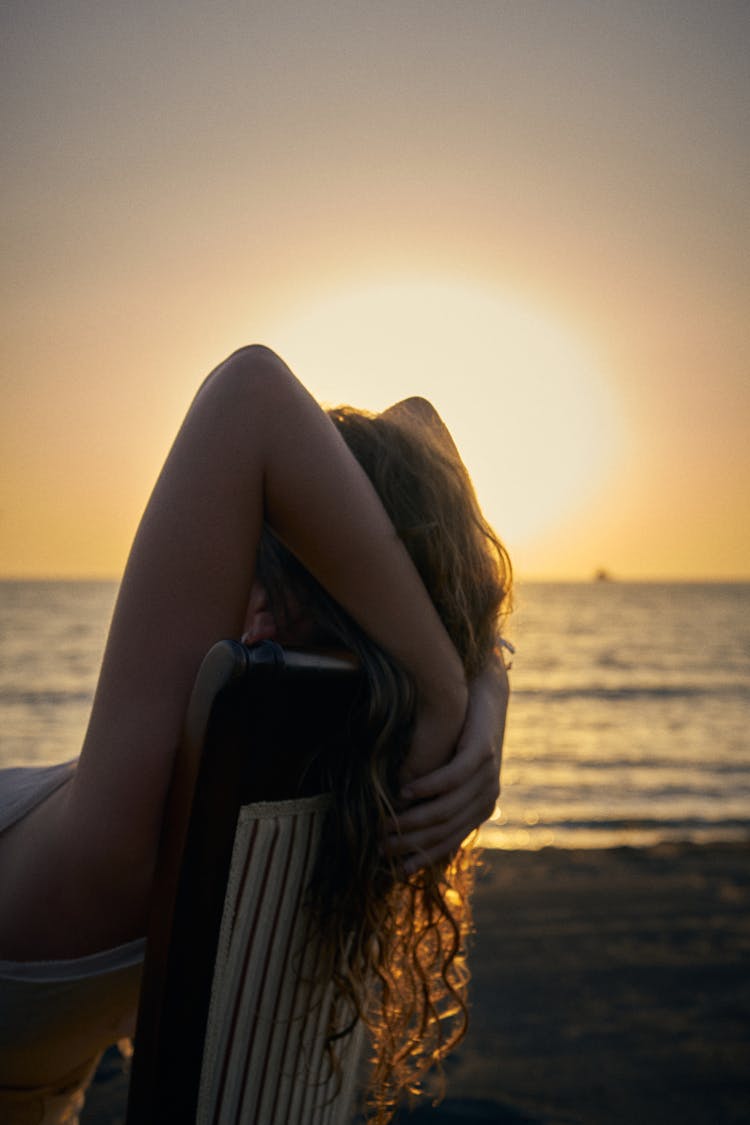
[(396, 946)]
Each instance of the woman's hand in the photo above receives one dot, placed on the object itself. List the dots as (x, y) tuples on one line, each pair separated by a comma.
[(445, 805)]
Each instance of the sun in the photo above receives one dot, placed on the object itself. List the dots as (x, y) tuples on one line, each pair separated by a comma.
[(534, 416)]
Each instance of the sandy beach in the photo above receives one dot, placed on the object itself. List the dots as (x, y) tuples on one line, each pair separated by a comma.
[(609, 988)]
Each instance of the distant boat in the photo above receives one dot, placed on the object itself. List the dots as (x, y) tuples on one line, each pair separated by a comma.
[(602, 575)]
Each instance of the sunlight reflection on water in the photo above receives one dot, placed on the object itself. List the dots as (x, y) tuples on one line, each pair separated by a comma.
[(627, 724)]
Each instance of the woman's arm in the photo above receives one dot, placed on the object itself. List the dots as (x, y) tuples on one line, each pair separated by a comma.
[(253, 444), (444, 806)]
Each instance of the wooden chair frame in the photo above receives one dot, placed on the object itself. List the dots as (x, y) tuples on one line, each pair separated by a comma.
[(262, 725)]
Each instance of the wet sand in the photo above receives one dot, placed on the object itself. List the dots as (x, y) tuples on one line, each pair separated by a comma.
[(610, 988)]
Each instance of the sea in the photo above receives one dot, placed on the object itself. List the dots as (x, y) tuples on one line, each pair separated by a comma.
[(628, 722)]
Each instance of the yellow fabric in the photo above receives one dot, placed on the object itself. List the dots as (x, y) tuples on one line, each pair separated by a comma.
[(57, 1017), (57, 1103)]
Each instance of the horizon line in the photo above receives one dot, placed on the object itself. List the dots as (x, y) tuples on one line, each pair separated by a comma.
[(538, 578)]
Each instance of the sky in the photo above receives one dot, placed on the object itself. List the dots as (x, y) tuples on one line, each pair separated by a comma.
[(534, 213)]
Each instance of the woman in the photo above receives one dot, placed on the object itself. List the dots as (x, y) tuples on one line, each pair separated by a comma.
[(254, 447), (407, 934)]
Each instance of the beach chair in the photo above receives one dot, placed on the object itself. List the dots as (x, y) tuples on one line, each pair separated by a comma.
[(232, 1018)]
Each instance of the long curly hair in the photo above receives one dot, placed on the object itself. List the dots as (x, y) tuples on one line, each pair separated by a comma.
[(397, 946)]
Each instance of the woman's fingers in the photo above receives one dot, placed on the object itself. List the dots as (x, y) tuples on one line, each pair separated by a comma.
[(448, 777), (443, 808), (472, 774), (434, 833), (437, 839), (472, 770)]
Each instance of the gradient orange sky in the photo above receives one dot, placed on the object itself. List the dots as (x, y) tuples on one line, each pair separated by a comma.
[(534, 213)]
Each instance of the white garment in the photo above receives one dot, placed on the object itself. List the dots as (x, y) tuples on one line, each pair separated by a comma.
[(57, 1017)]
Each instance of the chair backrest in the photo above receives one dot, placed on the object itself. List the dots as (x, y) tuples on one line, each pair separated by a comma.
[(231, 1018)]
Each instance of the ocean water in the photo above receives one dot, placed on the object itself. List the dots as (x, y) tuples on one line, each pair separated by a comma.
[(628, 722)]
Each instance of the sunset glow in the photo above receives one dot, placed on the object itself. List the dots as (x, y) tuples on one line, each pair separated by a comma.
[(536, 422), (535, 215)]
